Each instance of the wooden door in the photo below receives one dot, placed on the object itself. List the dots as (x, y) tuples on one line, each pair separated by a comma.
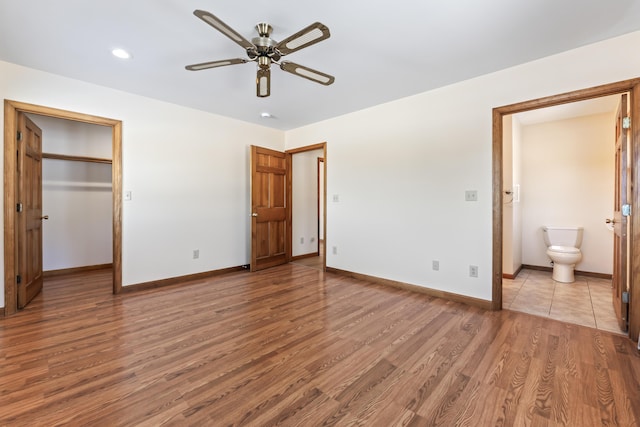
[(269, 214), (619, 280), (29, 216)]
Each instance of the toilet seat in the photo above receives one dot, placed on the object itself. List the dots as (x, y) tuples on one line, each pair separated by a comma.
[(564, 249)]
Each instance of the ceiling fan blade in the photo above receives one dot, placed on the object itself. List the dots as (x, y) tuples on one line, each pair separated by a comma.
[(223, 28), (312, 34), (215, 64), (307, 73), (263, 83)]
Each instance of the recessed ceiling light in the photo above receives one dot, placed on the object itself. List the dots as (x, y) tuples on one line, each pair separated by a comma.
[(121, 53), (266, 115)]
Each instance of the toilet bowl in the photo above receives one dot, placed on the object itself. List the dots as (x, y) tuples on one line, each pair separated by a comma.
[(563, 248), (564, 260)]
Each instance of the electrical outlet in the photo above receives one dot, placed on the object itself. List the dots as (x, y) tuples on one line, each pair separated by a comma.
[(335, 250), (302, 240), (435, 265), (473, 271), (196, 253), (471, 196), (336, 198)]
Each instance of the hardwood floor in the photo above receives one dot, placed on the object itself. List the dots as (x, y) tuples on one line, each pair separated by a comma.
[(315, 262), (295, 346)]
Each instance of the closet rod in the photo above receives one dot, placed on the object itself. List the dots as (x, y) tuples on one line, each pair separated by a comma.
[(75, 158)]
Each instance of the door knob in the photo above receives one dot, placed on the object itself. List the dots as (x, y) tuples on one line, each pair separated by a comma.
[(610, 221), (254, 214), (44, 217)]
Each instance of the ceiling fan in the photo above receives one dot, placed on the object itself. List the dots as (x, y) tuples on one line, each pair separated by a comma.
[(265, 51)]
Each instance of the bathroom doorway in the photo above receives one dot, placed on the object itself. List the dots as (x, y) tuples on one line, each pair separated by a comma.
[(503, 194), (559, 169)]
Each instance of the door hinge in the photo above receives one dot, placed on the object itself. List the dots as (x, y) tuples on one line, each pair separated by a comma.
[(19, 136), (19, 207), (626, 210), (625, 297), (626, 122), (18, 279)]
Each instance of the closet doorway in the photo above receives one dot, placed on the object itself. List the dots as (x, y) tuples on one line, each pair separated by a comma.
[(76, 196), (13, 237)]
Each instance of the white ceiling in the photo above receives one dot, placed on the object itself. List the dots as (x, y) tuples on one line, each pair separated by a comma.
[(379, 51)]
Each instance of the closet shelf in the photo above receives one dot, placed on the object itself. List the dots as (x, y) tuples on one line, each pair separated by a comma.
[(75, 158), (69, 184)]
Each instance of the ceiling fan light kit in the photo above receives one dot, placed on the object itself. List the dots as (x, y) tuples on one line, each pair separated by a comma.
[(265, 51)]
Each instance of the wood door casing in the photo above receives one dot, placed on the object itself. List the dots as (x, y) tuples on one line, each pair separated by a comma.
[(269, 209), (320, 197), (631, 86), (28, 220), (290, 153), (619, 279), (11, 111)]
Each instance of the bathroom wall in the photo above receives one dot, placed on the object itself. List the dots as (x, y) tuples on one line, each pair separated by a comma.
[(512, 208), (568, 179)]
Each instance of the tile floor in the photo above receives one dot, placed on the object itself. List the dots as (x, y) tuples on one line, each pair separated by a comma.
[(587, 301)]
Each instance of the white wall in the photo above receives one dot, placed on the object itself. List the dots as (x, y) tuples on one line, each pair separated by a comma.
[(568, 179), (76, 196), (74, 138), (304, 222), (188, 171), (401, 169)]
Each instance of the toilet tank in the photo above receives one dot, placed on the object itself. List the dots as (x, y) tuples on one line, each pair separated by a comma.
[(562, 236)]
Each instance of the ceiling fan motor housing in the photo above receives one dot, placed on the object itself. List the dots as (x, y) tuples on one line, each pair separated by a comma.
[(264, 46)]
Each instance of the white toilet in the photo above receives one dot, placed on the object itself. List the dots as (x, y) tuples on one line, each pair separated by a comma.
[(563, 247)]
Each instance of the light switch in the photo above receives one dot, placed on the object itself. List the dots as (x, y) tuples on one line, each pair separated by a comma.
[(471, 196), (127, 195)]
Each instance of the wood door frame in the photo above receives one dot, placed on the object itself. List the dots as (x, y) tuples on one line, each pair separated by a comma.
[(319, 195), (290, 153), (631, 86), (11, 110)]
